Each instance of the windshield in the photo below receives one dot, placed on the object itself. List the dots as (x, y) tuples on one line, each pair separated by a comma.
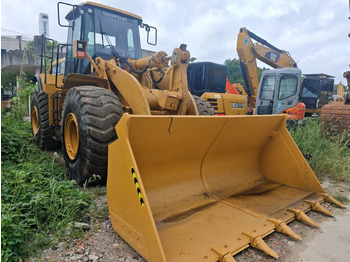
[(206, 77), (117, 30), (219, 76), (311, 88)]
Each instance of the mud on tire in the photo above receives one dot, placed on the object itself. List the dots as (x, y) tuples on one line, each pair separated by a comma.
[(203, 107), (42, 132), (97, 111)]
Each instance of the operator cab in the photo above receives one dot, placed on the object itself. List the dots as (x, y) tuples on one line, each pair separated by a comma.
[(106, 30), (206, 77), (317, 90), (278, 90)]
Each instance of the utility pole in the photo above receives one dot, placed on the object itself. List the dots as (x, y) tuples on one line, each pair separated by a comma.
[(19, 37)]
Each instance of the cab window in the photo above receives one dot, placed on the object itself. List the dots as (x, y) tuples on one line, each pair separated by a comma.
[(268, 87), (288, 86)]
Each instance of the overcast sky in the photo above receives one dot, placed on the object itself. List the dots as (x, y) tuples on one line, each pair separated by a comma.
[(315, 32)]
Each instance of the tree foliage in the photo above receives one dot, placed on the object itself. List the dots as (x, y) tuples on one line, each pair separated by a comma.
[(8, 81), (234, 71)]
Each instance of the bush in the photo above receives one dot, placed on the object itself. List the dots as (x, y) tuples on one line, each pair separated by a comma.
[(21, 100), (37, 201), (327, 156)]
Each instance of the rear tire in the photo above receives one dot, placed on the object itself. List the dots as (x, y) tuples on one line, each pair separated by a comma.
[(89, 117), (42, 132), (203, 107)]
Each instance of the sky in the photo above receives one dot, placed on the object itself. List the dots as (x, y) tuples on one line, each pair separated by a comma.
[(315, 32)]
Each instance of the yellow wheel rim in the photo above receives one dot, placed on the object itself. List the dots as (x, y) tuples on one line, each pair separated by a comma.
[(35, 120), (71, 136)]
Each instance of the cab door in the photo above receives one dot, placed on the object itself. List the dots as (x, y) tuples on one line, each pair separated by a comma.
[(288, 90), (266, 94)]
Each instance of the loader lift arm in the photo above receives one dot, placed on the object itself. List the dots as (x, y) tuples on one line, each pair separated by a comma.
[(248, 52)]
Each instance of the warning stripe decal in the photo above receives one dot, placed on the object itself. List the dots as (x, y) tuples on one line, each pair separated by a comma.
[(138, 189)]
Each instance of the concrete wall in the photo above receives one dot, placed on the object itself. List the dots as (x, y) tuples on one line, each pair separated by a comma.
[(12, 62), (13, 42)]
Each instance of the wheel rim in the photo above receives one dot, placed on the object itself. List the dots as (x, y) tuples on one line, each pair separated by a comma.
[(71, 136), (35, 120)]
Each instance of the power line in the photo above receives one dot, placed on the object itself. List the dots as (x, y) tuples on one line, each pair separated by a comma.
[(19, 33)]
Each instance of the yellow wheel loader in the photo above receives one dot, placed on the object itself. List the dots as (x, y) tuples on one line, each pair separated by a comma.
[(180, 187)]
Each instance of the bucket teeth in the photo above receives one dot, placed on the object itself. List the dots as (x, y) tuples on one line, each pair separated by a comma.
[(316, 206), (284, 229), (259, 243), (301, 216), (328, 198), (227, 257)]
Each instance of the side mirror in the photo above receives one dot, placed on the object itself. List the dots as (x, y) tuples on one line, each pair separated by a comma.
[(70, 16), (151, 33)]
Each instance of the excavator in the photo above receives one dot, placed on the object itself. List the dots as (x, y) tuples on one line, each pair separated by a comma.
[(278, 90), (180, 186)]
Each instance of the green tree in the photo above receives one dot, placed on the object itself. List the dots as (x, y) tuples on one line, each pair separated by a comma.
[(234, 71), (8, 81)]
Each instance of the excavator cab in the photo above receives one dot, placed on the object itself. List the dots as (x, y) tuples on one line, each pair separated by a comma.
[(278, 91)]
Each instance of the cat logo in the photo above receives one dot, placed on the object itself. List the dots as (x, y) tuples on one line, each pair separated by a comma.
[(273, 57)]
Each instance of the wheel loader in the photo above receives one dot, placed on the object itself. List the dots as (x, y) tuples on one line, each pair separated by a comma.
[(181, 186)]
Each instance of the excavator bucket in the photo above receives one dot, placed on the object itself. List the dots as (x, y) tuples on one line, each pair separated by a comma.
[(189, 188)]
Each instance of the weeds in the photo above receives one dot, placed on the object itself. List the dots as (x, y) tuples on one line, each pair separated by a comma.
[(37, 201), (342, 199), (327, 156)]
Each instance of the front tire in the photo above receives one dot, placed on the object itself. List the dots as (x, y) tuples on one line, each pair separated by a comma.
[(203, 107), (89, 117)]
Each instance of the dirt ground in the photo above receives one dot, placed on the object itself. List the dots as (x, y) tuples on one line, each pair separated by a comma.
[(330, 242)]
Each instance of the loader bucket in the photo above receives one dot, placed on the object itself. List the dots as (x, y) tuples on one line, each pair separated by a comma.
[(189, 188)]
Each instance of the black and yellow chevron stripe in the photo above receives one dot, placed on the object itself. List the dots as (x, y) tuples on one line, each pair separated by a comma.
[(137, 186)]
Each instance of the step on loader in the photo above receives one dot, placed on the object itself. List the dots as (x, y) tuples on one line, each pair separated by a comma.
[(182, 185)]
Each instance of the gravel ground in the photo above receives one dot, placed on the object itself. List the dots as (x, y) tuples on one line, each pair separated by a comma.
[(330, 242)]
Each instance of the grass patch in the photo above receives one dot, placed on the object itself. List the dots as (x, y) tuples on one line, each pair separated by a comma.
[(342, 199), (37, 201), (327, 156)]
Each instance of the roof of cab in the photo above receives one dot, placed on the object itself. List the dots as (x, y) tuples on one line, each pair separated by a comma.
[(109, 8)]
